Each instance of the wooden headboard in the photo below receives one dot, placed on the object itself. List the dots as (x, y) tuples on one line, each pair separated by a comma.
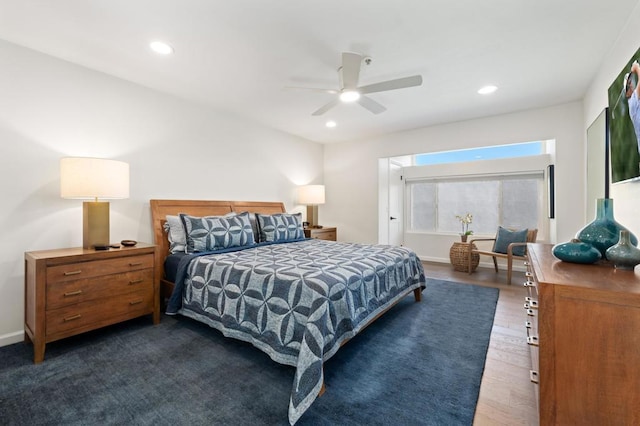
[(161, 208)]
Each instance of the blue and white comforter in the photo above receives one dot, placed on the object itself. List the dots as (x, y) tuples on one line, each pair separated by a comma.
[(296, 301)]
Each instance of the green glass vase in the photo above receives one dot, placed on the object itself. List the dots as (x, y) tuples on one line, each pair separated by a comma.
[(604, 231), (623, 254)]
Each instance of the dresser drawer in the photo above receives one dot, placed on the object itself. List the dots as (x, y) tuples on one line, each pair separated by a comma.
[(329, 235), (97, 268), (104, 311), (71, 292)]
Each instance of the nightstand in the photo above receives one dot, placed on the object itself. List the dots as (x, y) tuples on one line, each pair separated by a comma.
[(71, 291), (329, 234)]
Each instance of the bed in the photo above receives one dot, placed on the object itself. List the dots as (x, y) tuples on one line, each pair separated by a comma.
[(298, 300)]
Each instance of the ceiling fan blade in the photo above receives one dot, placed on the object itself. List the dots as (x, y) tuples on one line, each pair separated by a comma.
[(400, 83), (350, 70), (327, 107), (312, 89), (371, 105)]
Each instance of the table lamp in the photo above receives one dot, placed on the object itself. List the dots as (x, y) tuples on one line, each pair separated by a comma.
[(311, 196), (93, 179)]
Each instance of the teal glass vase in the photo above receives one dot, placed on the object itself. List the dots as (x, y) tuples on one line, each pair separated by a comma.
[(623, 254), (575, 251), (604, 231)]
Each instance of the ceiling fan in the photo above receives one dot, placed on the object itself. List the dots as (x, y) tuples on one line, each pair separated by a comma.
[(349, 90)]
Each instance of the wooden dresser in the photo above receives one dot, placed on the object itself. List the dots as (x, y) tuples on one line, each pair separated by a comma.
[(70, 291), (584, 333), (329, 234)]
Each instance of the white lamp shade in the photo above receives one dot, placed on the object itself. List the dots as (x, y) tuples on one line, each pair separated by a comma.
[(93, 178), (311, 195)]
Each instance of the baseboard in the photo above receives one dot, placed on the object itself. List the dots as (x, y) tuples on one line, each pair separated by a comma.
[(433, 259), (489, 264), (11, 338)]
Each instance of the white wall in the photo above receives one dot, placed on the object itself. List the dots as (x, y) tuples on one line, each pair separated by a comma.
[(50, 109), (351, 169), (626, 196)]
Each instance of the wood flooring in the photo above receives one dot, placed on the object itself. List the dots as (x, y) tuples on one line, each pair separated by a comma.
[(506, 394)]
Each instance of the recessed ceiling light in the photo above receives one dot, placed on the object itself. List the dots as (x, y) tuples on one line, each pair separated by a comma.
[(161, 48), (487, 90), (349, 96), (331, 123)]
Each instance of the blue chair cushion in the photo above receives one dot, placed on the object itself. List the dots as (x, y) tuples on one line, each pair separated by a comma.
[(506, 236)]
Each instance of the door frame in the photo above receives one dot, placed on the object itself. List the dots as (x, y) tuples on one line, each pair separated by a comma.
[(384, 173)]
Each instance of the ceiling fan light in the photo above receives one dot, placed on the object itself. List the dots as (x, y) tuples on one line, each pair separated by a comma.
[(349, 96)]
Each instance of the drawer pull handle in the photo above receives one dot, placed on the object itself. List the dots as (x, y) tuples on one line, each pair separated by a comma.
[(73, 293), (526, 263), (66, 274), (531, 312), (527, 324), (533, 375), (528, 274), (135, 264), (73, 317), (135, 281), (532, 340), (135, 302), (529, 284)]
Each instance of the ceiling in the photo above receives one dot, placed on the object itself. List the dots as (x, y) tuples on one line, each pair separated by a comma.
[(238, 55)]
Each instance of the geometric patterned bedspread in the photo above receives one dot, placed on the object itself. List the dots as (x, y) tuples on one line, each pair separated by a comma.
[(296, 301)]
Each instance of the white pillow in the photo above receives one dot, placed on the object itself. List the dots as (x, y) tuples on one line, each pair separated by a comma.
[(176, 234)]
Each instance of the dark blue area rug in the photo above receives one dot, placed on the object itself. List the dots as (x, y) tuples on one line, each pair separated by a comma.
[(419, 364)]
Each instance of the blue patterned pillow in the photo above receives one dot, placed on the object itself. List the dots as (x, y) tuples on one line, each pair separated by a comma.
[(217, 232), (280, 227), (506, 237)]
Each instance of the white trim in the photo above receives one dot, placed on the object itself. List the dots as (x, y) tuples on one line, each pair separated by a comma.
[(11, 338), (482, 168), (383, 200), (488, 264)]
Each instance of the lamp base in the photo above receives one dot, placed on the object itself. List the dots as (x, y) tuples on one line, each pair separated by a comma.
[(312, 216), (95, 224)]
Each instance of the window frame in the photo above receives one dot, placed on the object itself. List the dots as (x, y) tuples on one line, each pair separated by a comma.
[(525, 167)]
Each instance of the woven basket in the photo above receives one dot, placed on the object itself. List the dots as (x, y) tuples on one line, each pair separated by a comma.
[(458, 257)]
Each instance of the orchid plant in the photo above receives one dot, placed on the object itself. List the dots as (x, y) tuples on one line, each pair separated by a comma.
[(465, 220)]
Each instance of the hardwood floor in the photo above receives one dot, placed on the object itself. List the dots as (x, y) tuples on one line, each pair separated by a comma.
[(506, 394)]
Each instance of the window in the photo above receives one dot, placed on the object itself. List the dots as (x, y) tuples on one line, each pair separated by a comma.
[(508, 187), (484, 153), (514, 200)]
